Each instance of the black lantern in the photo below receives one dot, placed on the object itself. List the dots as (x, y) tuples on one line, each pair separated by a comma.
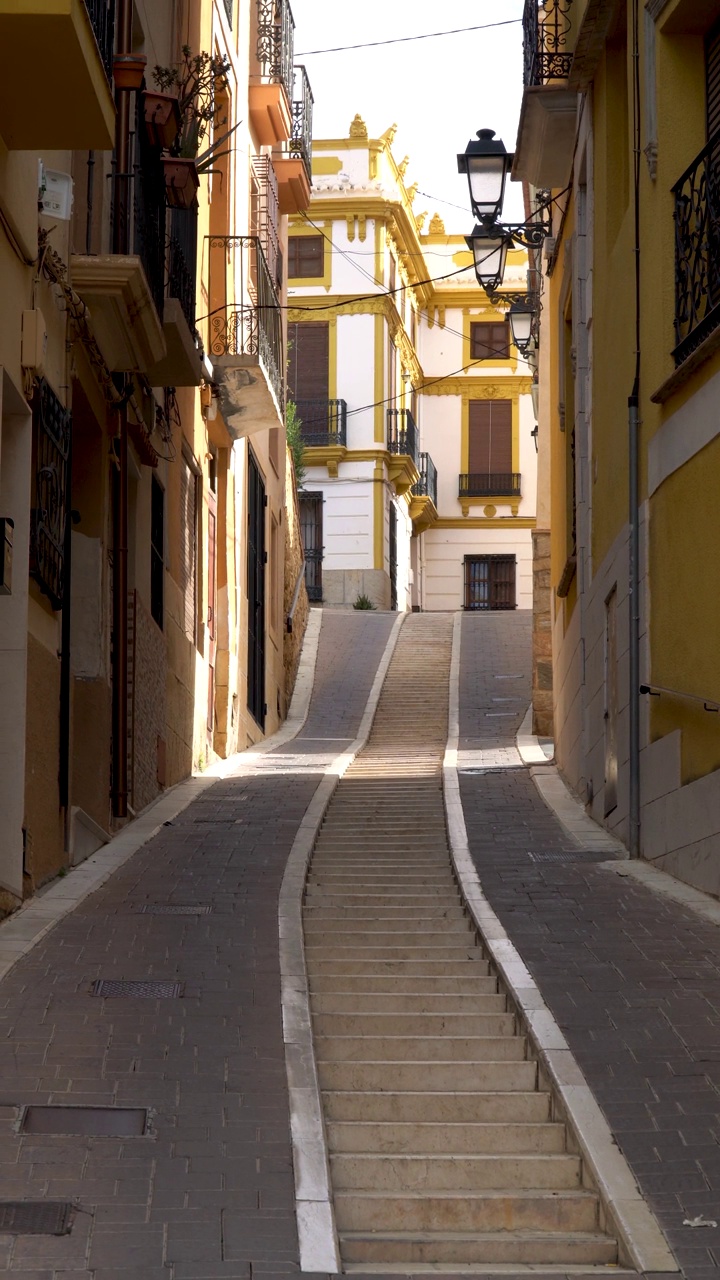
[(521, 317), (487, 164), (489, 252)]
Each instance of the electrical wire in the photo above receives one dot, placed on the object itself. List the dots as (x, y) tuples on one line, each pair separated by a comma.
[(427, 35)]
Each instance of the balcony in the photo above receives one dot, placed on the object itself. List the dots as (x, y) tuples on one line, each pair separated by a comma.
[(294, 165), (266, 215), (423, 501), (245, 339), (181, 367), (68, 48), (697, 252), (271, 82), (323, 423), (489, 484), (546, 134), (402, 445)]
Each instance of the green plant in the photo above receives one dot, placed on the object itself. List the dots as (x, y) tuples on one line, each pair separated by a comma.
[(196, 82), (293, 424), (363, 602)]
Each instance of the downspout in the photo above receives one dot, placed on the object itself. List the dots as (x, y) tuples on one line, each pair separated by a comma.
[(634, 483), (121, 240)]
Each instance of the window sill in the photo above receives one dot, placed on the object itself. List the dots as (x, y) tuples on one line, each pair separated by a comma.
[(684, 371)]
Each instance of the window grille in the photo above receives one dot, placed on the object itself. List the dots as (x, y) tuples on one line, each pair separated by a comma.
[(52, 437)]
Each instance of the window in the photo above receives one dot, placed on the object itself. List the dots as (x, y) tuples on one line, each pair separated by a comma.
[(157, 551), (306, 257), (489, 339), (188, 547), (308, 361), (490, 437), (489, 582)]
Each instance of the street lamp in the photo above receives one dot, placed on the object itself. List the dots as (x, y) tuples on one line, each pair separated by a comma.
[(486, 164), (522, 317), (489, 250)]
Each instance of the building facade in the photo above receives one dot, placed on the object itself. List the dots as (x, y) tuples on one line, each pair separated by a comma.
[(142, 451), (620, 120), (415, 411)]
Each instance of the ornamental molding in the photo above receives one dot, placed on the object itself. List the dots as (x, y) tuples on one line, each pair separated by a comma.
[(476, 388)]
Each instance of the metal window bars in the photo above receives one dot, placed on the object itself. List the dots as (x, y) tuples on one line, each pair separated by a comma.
[(547, 27), (489, 484), (52, 438)]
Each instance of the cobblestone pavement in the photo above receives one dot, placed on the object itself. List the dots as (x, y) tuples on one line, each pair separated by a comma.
[(210, 1192), (632, 978)]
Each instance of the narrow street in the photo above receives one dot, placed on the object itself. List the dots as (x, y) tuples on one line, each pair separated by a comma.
[(162, 998)]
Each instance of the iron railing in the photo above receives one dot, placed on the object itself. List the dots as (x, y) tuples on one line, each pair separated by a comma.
[(547, 27), (402, 434), (229, 11), (300, 143), (697, 250), (322, 422), (182, 260), (426, 486), (137, 215), (102, 20), (248, 321), (267, 215), (276, 42), (52, 439), (489, 484)]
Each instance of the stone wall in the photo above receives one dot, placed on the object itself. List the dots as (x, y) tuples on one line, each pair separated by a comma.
[(542, 675), (292, 641)]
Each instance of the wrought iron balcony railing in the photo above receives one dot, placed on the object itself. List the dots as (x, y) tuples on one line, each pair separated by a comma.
[(322, 422), (182, 261), (102, 20), (426, 486), (547, 29), (402, 434), (229, 11), (489, 484), (697, 250), (266, 215), (300, 143), (138, 209), (248, 321), (276, 42)]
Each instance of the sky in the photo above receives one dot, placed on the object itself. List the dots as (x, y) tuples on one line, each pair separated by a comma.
[(438, 91)]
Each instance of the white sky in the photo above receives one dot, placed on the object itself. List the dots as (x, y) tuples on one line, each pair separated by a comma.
[(439, 91)]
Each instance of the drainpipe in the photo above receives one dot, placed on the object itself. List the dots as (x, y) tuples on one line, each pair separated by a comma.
[(121, 240)]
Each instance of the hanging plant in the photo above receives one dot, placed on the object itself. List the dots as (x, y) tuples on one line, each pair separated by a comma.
[(195, 83)]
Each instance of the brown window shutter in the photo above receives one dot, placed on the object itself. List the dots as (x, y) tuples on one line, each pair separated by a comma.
[(188, 548), (306, 256), (308, 361), (488, 339), (490, 437)]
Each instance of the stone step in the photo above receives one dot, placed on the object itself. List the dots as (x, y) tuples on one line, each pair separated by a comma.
[(390, 914), (471, 964), (429, 1076), (407, 1049), (459, 1138), (494, 1211), (359, 955), (442, 1027), (518, 1248), (437, 1172), (401, 932), (454, 1108), (381, 880), (441, 988), (362, 1002), (389, 940), (315, 894)]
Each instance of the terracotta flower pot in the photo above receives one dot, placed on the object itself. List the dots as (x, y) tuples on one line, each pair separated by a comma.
[(162, 118), (181, 181), (129, 70)]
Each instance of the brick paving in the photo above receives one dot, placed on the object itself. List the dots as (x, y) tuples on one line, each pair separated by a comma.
[(632, 978)]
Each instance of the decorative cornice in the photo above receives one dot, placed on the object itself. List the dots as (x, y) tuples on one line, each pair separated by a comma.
[(478, 388), (381, 305), (479, 522)]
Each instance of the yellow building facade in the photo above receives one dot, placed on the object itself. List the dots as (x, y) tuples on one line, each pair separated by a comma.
[(620, 121), (143, 463)]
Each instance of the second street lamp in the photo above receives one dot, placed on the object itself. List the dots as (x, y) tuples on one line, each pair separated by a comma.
[(522, 317), (489, 250)]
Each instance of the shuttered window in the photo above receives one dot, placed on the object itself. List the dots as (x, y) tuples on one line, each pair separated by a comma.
[(308, 361), (188, 548), (306, 257), (490, 437), (488, 339), (712, 74)]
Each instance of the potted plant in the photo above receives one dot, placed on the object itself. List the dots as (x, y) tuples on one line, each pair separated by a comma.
[(162, 118), (193, 84)]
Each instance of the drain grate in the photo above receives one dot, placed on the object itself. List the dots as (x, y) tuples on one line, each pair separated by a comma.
[(35, 1217), (569, 855), (111, 988), (172, 909), (106, 1122)]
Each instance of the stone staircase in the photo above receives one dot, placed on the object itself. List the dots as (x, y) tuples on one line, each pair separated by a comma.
[(444, 1151)]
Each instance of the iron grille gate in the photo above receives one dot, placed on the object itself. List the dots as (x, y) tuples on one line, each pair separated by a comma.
[(256, 593), (52, 437), (489, 582), (311, 529)]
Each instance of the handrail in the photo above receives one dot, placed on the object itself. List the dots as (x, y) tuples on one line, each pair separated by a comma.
[(296, 597), (656, 689)]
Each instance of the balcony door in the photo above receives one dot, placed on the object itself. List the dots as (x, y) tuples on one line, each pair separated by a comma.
[(309, 377), (490, 443), (311, 529)]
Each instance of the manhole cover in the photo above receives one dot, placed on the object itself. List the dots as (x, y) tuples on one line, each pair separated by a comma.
[(572, 855), (107, 1122), (35, 1217), (110, 987), (172, 909)]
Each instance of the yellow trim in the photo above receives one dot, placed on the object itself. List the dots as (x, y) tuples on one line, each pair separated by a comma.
[(480, 522), (496, 317), (325, 455), (484, 388), (379, 252), (423, 513), (302, 228), (379, 387), (326, 166), (516, 434), (379, 516), (379, 306)]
